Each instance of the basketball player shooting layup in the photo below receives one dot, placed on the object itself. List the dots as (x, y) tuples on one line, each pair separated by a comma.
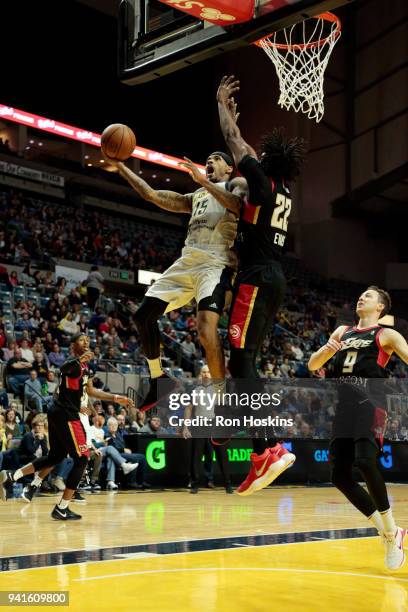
[(259, 288), (204, 269), (66, 433), (360, 355)]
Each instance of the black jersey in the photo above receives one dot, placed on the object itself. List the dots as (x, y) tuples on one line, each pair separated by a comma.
[(72, 390), (263, 225), (361, 354), (359, 368)]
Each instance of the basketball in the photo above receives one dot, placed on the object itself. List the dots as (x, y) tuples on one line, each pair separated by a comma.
[(118, 141)]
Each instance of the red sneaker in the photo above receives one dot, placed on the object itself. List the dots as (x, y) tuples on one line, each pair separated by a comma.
[(284, 454), (264, 469)]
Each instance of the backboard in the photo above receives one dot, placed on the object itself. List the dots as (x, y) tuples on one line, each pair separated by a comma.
[(155, 39)]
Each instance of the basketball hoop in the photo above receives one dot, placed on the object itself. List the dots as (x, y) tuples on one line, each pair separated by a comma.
[(300, 55)]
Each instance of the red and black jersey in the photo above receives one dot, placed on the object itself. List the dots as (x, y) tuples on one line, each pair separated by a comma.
[(72, 389), (263, 224), (361, 354)]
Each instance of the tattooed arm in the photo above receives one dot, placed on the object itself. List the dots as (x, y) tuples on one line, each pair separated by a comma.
[(168, 200)]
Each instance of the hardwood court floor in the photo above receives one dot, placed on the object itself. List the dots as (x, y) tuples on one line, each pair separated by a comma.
[(302, 547)]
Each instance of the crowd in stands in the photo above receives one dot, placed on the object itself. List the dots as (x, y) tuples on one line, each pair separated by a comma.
[(39, 314), (31, 229)]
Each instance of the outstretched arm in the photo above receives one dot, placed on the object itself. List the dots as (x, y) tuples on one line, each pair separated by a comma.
[(168, 200), (319, 358), (108, 397), (392, 341), (232, 200), (228, 116)]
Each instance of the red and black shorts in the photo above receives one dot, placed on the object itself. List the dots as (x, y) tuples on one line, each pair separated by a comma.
[(258, 293), (66, 437)]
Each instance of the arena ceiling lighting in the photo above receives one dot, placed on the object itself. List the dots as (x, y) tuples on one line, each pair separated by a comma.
[(74, 133)]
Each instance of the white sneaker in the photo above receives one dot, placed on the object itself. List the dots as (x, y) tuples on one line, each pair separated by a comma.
[(59, 483), (129, 467), (111, 486), (394, 549)]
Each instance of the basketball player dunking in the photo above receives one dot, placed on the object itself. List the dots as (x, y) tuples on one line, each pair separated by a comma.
[(202, 272), (260, 284), (360, 355)]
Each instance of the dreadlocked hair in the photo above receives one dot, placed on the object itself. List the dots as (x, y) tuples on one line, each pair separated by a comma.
[(280, 157)]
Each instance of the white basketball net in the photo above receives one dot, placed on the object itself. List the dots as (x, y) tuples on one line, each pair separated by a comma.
[(300, 55)]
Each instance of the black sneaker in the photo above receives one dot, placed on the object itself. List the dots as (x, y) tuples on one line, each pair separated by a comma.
[(64, 515), (95, 486), (229, 489), (77, 497), (29, 492), (6, 484), (194, 490), (159, 388)]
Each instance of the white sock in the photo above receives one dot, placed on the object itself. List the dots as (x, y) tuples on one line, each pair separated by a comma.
[(17, 475), (154, 367), (388, 522), (63, 503), (37, 480), (377, 522)]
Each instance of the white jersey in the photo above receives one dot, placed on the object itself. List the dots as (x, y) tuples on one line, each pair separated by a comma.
[(212, 228)]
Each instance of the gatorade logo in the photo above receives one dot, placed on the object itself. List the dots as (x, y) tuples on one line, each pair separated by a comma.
[(155, 455)]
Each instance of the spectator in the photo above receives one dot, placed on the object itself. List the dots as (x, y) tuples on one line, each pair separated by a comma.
[(117, 441), (13, 278), (153, 427), (12, 427), (18, 370), (26, 352), (8, 351), (3, 338), (36, 319), (24, 322), (8, 457), (56, 357), (4, 401), (101, 451), (40, 365), (33, 393), (123, 421), (97, 406), (51, 383), (26, 277), (37, 278), (394, 431), (188, 349), (139, 421), (33, 444), (3, 437), (94, 286), (67, 326)]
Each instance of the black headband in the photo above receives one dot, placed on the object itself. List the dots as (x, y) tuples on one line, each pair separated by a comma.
[(76, 337), (225, 157)]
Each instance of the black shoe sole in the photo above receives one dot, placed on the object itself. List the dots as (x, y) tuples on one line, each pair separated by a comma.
[(56, 517)]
